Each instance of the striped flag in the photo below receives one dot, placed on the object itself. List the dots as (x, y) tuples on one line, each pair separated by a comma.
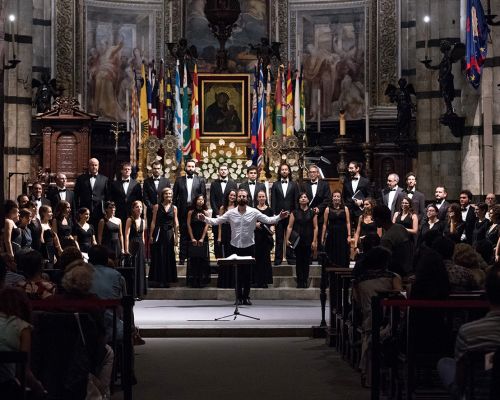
[(178, 128), (195, 118), (278, 105), (151, 82), (296, 103), (134, 124), (169, 110), (143, 104), (476, 42), (283, 101), (161, 101), (269, 107), (289, 103), (261, 100), (302, 103), (186, 132), (254, 123)]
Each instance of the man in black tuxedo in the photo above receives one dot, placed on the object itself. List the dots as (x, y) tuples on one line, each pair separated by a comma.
[(38, 198), (218, 191), (284, 196), (124, 192), (417, 198), (252, 186), (61, 193), (440, 194), (91, 191), (319, 193), (356, 184), (186, 188), (152, 188), (468, 215), (392, 194)]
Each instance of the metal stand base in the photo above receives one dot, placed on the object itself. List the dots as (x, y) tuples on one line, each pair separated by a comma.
[(236, 313)]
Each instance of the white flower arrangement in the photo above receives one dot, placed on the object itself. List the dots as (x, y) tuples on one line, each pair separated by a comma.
[(213, 157)]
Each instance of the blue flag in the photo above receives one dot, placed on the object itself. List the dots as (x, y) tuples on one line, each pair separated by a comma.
[(476, 38)]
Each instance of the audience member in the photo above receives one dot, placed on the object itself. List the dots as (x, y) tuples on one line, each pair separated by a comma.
[(431, 277), (465, 256), (35, 286)]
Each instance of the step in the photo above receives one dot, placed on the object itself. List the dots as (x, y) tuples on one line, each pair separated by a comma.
[(211, 293), (278, 282), (280, 270)]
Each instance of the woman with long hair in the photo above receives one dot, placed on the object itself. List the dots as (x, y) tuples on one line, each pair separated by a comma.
[(304, 222), (62, 224), (406, 217), (431, 224), (83, 231), (12, 234), (336, 233), (164, 234), (264, 243), (198, 266), (366, 224), (455, 226), (134, 239), (109, 231), (225, 276), (50, 241)]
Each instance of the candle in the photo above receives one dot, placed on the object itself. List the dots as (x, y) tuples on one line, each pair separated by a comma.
[(427, 19), (171, 20), (80, 100), (342, 122), (367, 118), (12, 18), (276, 23), (127, 110), (319, 109)]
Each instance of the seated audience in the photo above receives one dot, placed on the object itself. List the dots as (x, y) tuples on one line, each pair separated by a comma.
[(465, 256), (35, 286)]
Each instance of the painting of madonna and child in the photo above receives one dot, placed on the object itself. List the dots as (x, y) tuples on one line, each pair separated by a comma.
[(332, 50)]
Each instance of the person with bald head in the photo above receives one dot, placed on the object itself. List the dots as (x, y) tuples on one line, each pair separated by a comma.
[(91, 191), (61, 193), (392, 194)]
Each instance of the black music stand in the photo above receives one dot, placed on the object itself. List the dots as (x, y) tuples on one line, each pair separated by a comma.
[(235, 262)]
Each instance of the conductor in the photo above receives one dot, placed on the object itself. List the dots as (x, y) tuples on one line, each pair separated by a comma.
[(242, 220)]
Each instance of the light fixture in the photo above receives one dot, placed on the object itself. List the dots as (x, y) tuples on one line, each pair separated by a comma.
[(427, 19)]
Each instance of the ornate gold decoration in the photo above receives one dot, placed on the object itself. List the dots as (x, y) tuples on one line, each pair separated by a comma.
[(65, 105), (65, 10)]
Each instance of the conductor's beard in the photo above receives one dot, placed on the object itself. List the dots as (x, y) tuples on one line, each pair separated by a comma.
[(242, 202)]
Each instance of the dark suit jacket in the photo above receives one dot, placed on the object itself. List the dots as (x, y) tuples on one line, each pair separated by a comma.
[(322, 198), (181, 194), (45, 201), (124, 200), (347, 193), (92, 198), (151, 195), (216, 195), (253, 202), (36, 234), (397, 199), (284, 201), (443, 211), (417, 203), (470, 223), (54, 197)]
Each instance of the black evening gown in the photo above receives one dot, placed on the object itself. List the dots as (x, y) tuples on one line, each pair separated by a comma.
[(367, 228), (336, 246), (48, 247), (407, 222), (198, 267), (140, 270), (111, 238), (225, 276), (64, 231), (84, 237), (163, 266), (263, 244)]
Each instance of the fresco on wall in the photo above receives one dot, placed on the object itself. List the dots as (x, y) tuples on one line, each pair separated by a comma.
[(250, 27), (331, 47), (117, 40)]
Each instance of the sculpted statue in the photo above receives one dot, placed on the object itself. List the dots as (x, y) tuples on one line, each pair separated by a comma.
[(266, 51), (402, 97), (47, 88)]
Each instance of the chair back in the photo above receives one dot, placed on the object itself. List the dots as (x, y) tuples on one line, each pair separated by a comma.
[(478, 378)]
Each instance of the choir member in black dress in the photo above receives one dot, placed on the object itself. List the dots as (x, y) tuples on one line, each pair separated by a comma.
[(134, 239), (431, 223), (84, 233), (35, 227), (482, 223), (337, 231), (407, 217), (51, 246), (12, 234), (164, 236), (492, 234), (198, 265), (304, 222), (109, 231), (264, 244), (62, 224), (225, 277), (366, 224), (454, 226)]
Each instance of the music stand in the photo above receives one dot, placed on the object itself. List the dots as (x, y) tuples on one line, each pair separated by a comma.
[(235, 262)]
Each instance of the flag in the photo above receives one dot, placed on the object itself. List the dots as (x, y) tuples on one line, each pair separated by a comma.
[(143, 104), (186, 132), (161, 101), (254, 122), (269, 107), (134, 124), (302, 103), (283, 101), (195, 121), (289, 103), (151, 85), (296, 103), (476, 37), (278, 104), (169, 111), (178, 128), (260, 116)]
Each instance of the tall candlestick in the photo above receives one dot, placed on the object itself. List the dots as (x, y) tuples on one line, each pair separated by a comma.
[(342, 122), (319, 109), (276, 22), (12, 18), (427, 19), (367, 118), (127, 110)]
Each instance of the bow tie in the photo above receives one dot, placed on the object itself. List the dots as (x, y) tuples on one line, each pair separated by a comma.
[(61, 190), (251, 183), (125, 180), (156, 179), (39, 199), (189, 176), (464, 208), (93, 176), (392, 190), (314, 183), (223, 181), (354, 178), (409, 191), (284, 181)]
